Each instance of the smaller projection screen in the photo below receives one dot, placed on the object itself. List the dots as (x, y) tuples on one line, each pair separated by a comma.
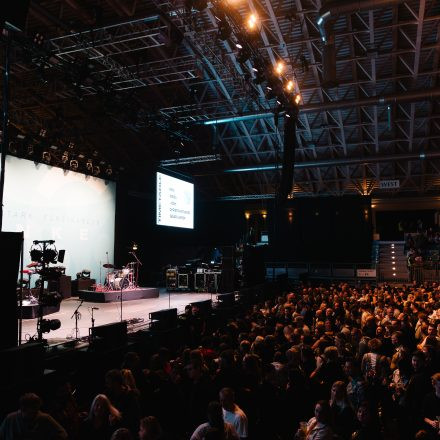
[(174, 202)]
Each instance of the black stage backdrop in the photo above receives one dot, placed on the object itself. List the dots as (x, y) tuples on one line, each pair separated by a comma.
[(330, 229), (10, 245)]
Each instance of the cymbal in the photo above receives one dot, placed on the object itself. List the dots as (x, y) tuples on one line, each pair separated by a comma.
[(33, 264), (108, 266)]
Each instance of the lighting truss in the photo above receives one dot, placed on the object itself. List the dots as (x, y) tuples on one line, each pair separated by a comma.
[(190, 160), (247, 197)]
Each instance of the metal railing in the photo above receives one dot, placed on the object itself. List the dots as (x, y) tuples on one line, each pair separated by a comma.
[(356, 272), (428, 271)]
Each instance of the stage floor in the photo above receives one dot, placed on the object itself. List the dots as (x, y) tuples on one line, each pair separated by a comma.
[(109, 312)]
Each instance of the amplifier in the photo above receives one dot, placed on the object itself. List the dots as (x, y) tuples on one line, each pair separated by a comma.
[(200, 281), (183, 281)]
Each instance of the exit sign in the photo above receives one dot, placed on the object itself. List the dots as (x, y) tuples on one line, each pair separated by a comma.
[(389, 184)]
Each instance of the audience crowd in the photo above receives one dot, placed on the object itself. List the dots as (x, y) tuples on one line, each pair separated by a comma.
[(314, 363)]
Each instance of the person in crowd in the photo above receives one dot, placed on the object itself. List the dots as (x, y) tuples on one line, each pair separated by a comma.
[(102, 420), (342, 412), (150, 429), (121, 434), (368, 424), (431, 409), (29, 422), (319, 426), (124, 399), (232, 413), (216, 421)]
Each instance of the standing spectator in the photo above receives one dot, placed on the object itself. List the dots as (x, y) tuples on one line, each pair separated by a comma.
[(29, 422), (232, 413), (215, 420), (318, 427), (150, 429), (103, 419), (342, 412)]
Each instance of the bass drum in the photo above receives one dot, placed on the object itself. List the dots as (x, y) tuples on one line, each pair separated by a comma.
[(121, 283)]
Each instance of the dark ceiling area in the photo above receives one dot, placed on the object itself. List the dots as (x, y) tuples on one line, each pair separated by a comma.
[(110, 87)]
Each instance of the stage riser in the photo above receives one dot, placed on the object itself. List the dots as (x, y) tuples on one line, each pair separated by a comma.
[(114, 296)]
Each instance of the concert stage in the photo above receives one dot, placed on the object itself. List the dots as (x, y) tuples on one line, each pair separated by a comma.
[(115, 295), (109, 312)]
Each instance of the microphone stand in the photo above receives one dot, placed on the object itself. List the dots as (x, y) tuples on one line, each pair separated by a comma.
[(137, 267), (77, 315)]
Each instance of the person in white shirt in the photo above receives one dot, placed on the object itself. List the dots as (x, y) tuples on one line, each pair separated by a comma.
[(232, 413), (215, 421)]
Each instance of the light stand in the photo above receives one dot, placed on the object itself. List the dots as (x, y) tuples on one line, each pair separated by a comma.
[(120, 296), (138, 263), (77, 316), (43, 271), (20, 318)]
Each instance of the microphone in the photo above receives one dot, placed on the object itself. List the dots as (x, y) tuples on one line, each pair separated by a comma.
[(95, 308)]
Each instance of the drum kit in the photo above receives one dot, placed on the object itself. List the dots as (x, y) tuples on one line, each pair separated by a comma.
[(120, 279)]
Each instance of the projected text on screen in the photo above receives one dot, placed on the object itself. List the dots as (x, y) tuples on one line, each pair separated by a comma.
[(174, 202)]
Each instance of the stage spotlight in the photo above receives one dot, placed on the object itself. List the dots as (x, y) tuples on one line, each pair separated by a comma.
[(109, 170), (290, 85), (46, 156), (43, 132), (38, 39), (224, 30), (65, 157), (47, 325), (89, 165), (252, 22), (238, 46), (96, 170), (297, 99), (279, 68), (74, 165), (243, 55), (134, 247)]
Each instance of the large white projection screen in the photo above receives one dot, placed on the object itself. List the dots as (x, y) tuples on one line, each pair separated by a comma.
[(174, 202), (75, 210)]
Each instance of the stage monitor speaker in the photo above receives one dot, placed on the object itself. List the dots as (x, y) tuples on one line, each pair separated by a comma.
[(109, 335), (10, 245), (22, 364), (226, 299), (205, 307), (163, 319)]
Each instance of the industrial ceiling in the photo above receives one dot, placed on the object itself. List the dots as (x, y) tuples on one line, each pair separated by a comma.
[(116, 84)]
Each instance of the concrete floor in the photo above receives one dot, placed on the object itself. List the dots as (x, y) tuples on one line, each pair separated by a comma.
[(108, 313)]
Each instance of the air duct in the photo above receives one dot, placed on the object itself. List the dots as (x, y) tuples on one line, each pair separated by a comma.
[(338, 162), (332, 9), (414, 96)]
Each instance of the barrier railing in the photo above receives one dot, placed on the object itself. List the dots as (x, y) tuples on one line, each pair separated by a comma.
[(325, 271), (428, 271)]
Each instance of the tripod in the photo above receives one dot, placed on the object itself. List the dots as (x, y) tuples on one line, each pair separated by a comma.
[(77, 316)]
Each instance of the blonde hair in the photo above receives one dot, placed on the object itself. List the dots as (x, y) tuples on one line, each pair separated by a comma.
[(128, 379), (113, 413)]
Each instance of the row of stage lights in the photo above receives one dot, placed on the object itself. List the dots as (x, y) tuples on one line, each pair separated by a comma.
[(64, 158), (260, 72)]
